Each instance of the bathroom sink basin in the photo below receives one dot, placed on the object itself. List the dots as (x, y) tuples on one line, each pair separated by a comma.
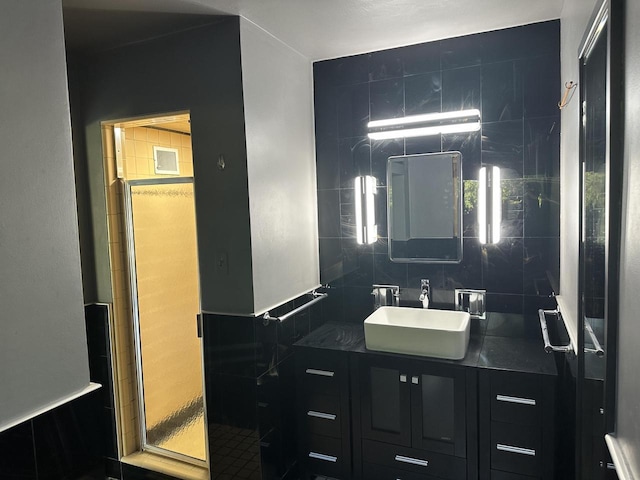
[(415, 331)]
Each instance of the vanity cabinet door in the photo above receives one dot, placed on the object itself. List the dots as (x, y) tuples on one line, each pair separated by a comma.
[(438, 402), (386, 401)]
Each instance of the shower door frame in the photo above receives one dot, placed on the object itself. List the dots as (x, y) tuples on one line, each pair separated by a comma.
[(133, 289)]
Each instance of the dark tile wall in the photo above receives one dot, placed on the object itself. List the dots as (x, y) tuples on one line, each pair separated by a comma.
[(69, 442), (101, 371), (249, 385), (513, 77), (76, 441), (58, 445)]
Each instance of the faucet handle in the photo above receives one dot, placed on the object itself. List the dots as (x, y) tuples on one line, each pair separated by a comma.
[(385, 295), (424, 282)]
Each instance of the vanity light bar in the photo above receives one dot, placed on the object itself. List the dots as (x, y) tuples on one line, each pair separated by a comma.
[(489, 214), (366, 228), (426, 124)]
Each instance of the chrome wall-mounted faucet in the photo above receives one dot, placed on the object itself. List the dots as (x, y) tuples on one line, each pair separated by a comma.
[(385, 295), (425, 294), (472, 301)]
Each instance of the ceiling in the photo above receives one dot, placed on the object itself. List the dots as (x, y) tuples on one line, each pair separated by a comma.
[(321, 29)]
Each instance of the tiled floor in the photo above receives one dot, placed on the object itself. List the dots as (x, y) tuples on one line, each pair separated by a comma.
[(235, 453)]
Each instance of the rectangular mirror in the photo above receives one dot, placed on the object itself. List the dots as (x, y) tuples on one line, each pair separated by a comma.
[(424, 208)]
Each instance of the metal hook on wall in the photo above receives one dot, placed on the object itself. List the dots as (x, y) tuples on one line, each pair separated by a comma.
[(568, 94)]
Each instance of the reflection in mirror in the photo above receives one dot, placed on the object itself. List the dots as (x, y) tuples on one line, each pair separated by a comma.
[(425, 208)]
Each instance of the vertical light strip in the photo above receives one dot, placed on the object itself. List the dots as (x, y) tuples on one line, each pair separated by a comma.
[(489, 215), (370, 227), (482, 206), (357, 185), (496, 205), (366, 228)]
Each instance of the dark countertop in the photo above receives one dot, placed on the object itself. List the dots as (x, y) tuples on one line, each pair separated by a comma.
[(500, 342)]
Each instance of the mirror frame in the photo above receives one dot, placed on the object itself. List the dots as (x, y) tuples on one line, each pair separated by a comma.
[(459, 203)]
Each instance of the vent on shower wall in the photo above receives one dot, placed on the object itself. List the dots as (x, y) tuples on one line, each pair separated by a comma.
[(165, 161)]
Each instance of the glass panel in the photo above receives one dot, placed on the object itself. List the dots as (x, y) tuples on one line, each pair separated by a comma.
[(438, 418), (385, 399), (595, 199), (593, 259), (164, 232)]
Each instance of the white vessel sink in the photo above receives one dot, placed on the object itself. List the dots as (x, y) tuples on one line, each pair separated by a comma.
[(415, 331)]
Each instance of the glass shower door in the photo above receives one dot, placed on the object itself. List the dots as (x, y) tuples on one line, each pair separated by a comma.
[(161, 231)]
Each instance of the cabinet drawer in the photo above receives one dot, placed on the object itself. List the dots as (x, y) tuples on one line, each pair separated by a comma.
[(414, 461), (515, 398), (321, 373), (515, 448), (496, 475), (322, 415), (324, 456), (378, 472)]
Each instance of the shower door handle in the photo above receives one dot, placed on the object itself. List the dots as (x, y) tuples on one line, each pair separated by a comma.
[(199, 325)]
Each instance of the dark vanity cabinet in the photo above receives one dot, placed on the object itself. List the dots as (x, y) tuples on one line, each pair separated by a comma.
[(516, 428), (366, 415), (323, 417), (414, 417)]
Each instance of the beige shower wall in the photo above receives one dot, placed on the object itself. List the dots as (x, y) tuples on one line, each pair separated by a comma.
[(137, 164), (138, 151), (122, 330)]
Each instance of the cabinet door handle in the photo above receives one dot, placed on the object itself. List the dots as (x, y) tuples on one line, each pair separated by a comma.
[(322, 373), (518, 450), (521, 401), (324, 416), (403, 378), (412, 461), (415, 380), (322, 456)]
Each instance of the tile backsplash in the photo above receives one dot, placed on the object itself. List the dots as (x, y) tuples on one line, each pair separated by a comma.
[(513, 77)]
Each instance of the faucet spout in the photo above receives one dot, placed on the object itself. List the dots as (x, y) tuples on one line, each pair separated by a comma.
[(425, 294), (425, 301)]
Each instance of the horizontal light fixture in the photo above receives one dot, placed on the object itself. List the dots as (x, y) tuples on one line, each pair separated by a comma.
[(426, 124), (366, 228), (489, 205)]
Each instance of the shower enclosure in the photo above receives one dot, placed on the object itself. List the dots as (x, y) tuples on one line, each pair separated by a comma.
[(162, 255)]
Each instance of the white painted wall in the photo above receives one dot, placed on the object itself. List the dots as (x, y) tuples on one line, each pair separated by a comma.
[(277, 89), (573, 23), (43, 352), (628, 406)]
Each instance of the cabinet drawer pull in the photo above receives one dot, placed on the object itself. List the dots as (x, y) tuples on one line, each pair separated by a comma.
[(325, 416), (521, 401), (322, 456), (412, 461), (403, 378), (519, 450), (415, 380), (322, 373)]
